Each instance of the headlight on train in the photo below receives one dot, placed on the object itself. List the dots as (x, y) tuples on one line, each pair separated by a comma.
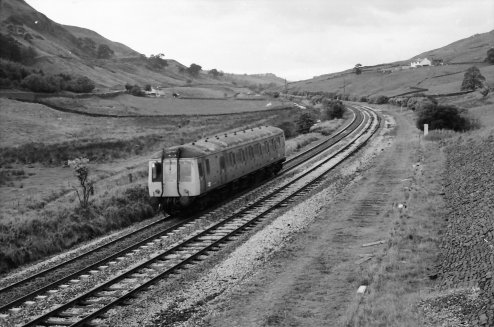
[(157, 192)]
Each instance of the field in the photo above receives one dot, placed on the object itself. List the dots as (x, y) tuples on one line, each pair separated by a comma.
[(131, 105), (437, 79)]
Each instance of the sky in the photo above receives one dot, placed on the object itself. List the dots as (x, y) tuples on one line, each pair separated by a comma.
[(294, 39)]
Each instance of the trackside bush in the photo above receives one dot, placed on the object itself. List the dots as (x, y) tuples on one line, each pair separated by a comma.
[(444, 117), (289, 128), (333, 109), (305, 122), (378, 99)]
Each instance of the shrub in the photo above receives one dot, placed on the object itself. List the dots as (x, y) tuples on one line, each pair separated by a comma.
[(136, 91), (444, 117), (80, 85), (490, 56), (86, 185), (378, 99), (305, 122), (420, 102), (289, 128), (363, 98), (333, 109)]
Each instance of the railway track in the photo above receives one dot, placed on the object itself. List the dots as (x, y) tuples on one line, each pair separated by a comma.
[(114, 292), (49, 279)]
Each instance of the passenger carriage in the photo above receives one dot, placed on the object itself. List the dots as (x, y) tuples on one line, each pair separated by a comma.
[(199, 171)]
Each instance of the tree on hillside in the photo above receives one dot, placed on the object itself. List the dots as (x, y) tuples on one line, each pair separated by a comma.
[(104, 52), (490, 56), (358, 69), (194, 70), (472, 79), (157, 61)]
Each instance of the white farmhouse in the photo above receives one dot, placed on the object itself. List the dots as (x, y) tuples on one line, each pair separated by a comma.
[(420, 62)]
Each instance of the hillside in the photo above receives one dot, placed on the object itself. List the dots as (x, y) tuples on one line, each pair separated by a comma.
[(80, 51), (393, 79)]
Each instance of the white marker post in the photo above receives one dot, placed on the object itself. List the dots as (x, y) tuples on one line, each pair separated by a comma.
[(426, 129)]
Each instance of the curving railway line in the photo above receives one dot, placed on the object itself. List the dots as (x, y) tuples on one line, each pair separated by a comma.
[(164, 263)]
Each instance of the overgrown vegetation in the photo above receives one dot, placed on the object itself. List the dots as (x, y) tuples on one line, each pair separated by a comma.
[(135, 90), (333, 109), (444, 117), (305, 122), (28, 240), (378, 99), (289, 128), (13, 50), (15, 75)]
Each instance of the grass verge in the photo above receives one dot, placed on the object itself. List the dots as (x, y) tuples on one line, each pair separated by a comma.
[(28, 240), (401, 276)]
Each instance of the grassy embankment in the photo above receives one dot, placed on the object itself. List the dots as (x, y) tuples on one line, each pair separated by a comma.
[(402, 278), (40, 213)]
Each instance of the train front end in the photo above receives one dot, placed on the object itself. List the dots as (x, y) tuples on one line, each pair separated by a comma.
[(173, 181)]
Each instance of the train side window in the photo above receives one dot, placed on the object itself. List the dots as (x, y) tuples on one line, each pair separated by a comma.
[(239, 156), (251, 152), (256, 149), (232, 158), (222, 163), (201, 171), (266, 146), (260, 148), (207, 167), (272, 145), (243, 154)]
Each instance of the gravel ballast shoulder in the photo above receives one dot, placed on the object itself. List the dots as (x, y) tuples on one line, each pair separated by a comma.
[(467, 247)]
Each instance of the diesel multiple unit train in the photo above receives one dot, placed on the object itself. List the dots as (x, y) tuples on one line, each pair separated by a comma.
[(195, 173)]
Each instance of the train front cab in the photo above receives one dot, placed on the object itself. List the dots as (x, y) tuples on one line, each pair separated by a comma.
[(163, 178)]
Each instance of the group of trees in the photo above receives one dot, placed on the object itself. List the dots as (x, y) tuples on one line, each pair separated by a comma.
[(89, 47), (135, 90), (54, 83), (12, 50), (215, 73), (157, 61), (15, 75), (193, 70)]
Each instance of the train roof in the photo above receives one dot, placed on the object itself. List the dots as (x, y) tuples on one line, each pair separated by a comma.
[(222, 142)]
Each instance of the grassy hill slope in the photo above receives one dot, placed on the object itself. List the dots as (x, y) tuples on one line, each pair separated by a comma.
[(457, 58), (75, 50)]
